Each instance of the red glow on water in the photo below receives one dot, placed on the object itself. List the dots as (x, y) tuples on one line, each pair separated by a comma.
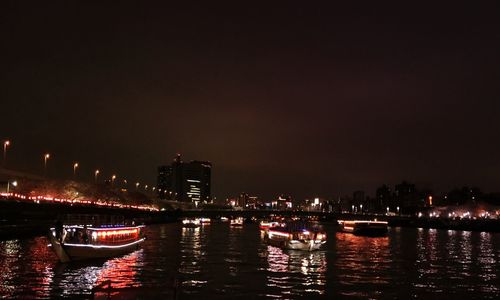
[(120, 272)]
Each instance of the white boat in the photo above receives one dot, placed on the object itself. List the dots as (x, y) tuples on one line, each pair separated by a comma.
[(81, 242), (294, 237), (363, 227), (191, 223), (205, 221), (236, 222)]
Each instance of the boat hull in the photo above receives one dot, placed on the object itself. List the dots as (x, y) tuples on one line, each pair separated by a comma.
[(366, 228), (296, 245), (67, 252), (284, 240), (305, 246)]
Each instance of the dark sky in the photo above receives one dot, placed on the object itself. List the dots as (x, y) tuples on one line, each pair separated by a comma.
[(282, 97)]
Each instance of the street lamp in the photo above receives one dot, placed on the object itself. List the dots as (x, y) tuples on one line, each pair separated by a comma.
[(146, 187), (14, 184), (75, 165), (397, 208), (45, 158), (5, 145), (361, 208), (136, 185), (387, 209), (113, 179), (96, 173)]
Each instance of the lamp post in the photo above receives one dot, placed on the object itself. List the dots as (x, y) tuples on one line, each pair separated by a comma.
[(136, 185), (14, 183), (45, 158), (96, 173), (113, 180), (5, 145), (75, 165)]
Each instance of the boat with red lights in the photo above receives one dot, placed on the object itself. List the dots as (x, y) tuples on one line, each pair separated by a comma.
[(296, 237), (265, 225), (77, 242), (364, 227)]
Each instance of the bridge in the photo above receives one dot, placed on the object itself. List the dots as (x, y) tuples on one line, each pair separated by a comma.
[(25, 218)]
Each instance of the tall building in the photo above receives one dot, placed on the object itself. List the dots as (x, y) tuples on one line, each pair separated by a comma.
[(196, 181), (187, 182), (406, 195), (384, 198), (243, 199), (164, 183)]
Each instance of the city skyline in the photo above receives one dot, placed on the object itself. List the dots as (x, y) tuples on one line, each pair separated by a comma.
[(295, 100)]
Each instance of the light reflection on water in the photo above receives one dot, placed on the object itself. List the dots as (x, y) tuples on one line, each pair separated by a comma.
[(363, 265), (463, 260), (219, 261), (192, 255), (295, 273), (16, 267), (121, 272)]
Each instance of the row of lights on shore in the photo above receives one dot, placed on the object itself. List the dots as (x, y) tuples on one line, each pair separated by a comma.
[(47, 156), (354, 209)]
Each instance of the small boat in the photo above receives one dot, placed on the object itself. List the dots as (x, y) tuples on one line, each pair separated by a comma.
[(236, 222), (296, 237), (205, 221), (78, 242), (191, 223), (363, 227)]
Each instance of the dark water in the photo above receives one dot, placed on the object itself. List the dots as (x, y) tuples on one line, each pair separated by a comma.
[(218, 261)]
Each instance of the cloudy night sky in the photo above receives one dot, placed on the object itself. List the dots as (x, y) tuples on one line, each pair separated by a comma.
[(282, 97)]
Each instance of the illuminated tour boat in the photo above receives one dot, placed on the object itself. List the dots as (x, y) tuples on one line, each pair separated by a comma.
[(205, 221), (81, 242), (363, 227), (191, 223), (236, 222), (296, 237), (265, 225)]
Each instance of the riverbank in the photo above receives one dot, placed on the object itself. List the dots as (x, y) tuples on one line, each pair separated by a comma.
[(19, 219)]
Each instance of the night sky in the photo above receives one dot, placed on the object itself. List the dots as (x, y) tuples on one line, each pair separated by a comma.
[(282, 97)]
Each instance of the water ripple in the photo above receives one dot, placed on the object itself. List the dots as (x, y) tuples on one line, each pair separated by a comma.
[(220, 262)]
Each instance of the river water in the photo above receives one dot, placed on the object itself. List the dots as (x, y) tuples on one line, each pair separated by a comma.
[(222, 262)]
